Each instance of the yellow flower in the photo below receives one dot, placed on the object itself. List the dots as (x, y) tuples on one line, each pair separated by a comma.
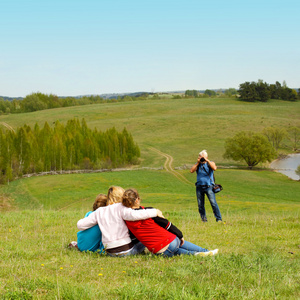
[(71, 266), (42, 265), (100, 274), (101, 268), (124, 271), (135, 262), (61, 268)]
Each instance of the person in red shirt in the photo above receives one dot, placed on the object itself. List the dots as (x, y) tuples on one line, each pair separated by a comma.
[(158, 234)]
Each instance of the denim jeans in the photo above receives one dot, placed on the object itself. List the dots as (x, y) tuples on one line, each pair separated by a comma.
[(201, 191), (187, 248), (136, 249)]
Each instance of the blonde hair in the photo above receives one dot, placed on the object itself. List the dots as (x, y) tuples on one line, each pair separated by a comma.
[(114, 195), (129, 197), (203, 153), (100, 201)]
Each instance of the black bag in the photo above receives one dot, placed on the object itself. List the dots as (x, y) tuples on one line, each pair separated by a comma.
[(217, 188)]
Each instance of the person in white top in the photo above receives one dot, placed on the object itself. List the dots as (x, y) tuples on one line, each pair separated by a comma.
[(115, 234)]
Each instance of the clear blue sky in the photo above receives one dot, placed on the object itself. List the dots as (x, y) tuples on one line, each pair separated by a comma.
[(79, 47)]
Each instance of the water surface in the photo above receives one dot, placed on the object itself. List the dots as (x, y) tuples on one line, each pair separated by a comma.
[(287, 165)]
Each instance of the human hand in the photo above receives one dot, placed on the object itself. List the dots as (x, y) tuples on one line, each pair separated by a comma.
[(181, 241), (159, 213)]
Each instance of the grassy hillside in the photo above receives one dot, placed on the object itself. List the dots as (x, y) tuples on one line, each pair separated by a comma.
[(258, 238), (179, 127)]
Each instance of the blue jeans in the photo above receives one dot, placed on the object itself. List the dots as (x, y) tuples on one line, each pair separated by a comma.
[(201, 191), (136, 249), (187, 248)]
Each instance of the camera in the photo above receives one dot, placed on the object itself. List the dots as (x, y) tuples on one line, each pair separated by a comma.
[(202, 159)]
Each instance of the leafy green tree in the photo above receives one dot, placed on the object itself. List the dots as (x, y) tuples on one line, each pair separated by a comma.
[(247, 91), (191, 93), (253, 148), (263, 91), (275, 135), (230, 92), (294, 136), (288, 94), (210, 93), (275, 90)]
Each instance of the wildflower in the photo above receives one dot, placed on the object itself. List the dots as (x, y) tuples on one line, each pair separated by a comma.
[(9, 230), (135, 262), (124, 271), (100, 274), (61, 268), (42, 265), (71, 266), (101, 268)]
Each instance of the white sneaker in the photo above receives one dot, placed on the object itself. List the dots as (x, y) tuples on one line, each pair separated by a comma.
[(208, 253), (214, 252)]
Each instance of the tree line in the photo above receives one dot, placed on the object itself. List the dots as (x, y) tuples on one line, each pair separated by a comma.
[(40, 101), (72, 146), (262, 91)]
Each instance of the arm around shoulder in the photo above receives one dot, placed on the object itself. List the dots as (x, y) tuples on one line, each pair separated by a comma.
[(129, 214), (87, 222)]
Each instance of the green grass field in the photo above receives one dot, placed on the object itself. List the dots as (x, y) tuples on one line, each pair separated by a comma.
[(258, 238)]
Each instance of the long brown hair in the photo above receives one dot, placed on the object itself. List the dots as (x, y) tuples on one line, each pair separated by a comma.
[(129, 197)]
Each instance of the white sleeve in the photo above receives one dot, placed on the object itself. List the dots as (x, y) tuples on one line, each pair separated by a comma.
[(87, 222), (134, 215)]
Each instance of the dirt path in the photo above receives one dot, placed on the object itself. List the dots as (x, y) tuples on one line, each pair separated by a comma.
[(169, 168)]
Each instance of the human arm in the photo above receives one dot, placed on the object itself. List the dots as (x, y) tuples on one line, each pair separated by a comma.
[(164, 223), (87, 222), (195, 166), (129, 214), (211, 164)]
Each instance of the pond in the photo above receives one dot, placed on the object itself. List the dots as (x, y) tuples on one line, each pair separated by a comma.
[(287, 165)]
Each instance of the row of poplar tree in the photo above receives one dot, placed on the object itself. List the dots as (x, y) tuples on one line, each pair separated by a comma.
[(73, 146)]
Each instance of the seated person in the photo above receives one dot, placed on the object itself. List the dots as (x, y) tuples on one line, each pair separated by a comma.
[(158, 234), (91, 239), (115, 234)]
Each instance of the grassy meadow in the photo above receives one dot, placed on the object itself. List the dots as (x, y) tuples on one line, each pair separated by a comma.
[(258, 239)]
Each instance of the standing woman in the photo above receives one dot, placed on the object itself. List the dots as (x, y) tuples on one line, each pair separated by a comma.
[(205, 174)]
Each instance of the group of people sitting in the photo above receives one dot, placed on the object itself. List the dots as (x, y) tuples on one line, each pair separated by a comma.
[(120, 226)]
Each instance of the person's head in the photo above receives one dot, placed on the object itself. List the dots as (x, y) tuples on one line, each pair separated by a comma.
[(203, 153), (131, 198), (114, 195), (100, 201)]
